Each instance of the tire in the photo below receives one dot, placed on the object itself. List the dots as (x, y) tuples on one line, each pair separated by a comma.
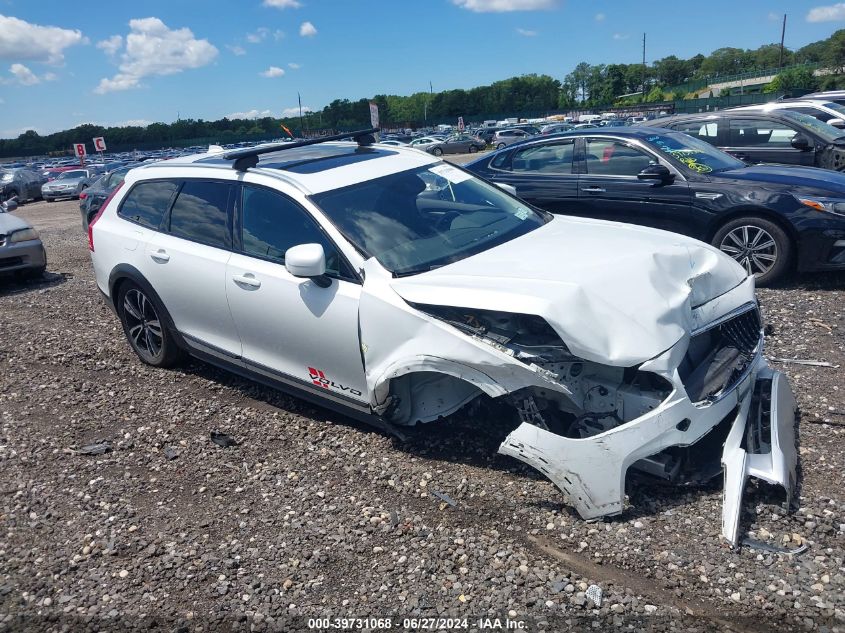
[(473, 149), (759, 245), (50, 199), (501, 146), (437, 151), (144, 323), (11, 194)]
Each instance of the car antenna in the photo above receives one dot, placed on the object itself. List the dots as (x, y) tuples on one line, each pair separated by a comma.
[(246, 158)]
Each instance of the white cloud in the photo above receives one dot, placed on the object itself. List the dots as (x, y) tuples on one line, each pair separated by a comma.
[(236, 50), (832, 13), (502, 6), (283, 4), (2, 101), (307, 30), (154, 49), (250, 114), (774, 17), (273, 71), (258, 36), (600, 17), (278, 34), (24, 75), (111, 45), (621, 36), (289, 112), (526, 32), (21, 40), (294, 66)]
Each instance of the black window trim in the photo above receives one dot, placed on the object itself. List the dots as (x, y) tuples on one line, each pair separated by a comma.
[(164, 215), (237, 224)]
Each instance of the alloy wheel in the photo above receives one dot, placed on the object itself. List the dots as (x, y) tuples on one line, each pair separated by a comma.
[(753, 247), (142, 323)]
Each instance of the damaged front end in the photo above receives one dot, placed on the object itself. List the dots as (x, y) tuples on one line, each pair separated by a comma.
[(707, 404)]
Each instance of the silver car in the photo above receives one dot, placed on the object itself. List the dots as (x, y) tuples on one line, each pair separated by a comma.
[(69, 184), (503, 138), (21, 250)]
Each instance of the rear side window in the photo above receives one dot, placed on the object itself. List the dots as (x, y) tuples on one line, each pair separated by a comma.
[(147, 203), (705, 130), (201, 214), (547, 159)]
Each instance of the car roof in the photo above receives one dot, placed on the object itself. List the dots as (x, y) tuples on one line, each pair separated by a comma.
[(313, 168), (782, 105)]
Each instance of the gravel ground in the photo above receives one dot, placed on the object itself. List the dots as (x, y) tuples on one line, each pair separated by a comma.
[(312, 515)]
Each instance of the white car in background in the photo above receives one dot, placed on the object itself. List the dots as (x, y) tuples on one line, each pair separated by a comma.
[(399, 289)]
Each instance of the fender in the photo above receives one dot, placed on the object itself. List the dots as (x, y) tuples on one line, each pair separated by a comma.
[(123, 272)]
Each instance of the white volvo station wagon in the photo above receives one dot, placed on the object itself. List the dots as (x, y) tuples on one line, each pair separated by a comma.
[(394, 287)]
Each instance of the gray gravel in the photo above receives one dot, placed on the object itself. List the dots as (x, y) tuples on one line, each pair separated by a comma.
[(312, 515)]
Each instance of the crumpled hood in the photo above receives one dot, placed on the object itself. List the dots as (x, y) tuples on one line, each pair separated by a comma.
[(616, 293)]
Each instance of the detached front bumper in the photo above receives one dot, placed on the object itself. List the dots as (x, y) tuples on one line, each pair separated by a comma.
[(759, 411)]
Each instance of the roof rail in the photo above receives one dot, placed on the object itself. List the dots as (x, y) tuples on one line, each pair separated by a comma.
[(246, 158)]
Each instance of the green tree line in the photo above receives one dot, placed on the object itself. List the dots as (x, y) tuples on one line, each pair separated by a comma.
[(586, 86)]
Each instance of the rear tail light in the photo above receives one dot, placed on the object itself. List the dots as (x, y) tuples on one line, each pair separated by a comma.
[(83, 195), (97, 216)]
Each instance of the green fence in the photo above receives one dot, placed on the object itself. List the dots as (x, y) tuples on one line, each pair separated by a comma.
[(698, 84)]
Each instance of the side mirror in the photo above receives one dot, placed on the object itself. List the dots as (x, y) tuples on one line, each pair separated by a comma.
[(9, 205), (506, 187), (800, 142), (658, 173), (840, 123), (308, 261)]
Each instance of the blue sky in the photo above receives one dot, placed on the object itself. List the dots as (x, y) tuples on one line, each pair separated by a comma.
[(63, 62)]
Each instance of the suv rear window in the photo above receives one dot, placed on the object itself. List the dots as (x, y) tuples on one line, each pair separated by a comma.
[(147, 203), (200, 213)]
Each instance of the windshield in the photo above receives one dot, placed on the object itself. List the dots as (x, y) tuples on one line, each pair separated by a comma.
[(428, 217), (73, 174), (696, 155), (827, 132), (6, 176)]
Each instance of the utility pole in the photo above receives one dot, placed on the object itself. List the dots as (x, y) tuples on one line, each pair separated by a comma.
[(782, 35), (644, 69), (301, 126)]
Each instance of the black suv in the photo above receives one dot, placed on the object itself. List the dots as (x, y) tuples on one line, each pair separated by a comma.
[(766, 217), (775, 136)]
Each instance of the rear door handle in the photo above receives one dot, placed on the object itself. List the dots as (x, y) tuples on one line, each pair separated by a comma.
[(593, 189), (160, 256), (248, 280)]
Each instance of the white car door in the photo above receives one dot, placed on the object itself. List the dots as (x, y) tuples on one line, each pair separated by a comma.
[(186, 264), (292, 329)]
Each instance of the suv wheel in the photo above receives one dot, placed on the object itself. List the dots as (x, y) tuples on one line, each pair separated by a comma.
[(142, 318), (758, 245)]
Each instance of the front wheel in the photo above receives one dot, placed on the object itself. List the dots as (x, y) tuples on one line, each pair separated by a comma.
[(473, 149), (145, 329), (437, 151), (759, 245)]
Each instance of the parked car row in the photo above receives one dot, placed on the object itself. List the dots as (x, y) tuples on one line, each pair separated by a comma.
[(767, 218)]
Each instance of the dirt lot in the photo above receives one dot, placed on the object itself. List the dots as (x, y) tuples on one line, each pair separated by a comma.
[(312, 515)]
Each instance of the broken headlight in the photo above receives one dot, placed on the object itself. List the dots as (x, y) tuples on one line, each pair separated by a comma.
[(526, 337)]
